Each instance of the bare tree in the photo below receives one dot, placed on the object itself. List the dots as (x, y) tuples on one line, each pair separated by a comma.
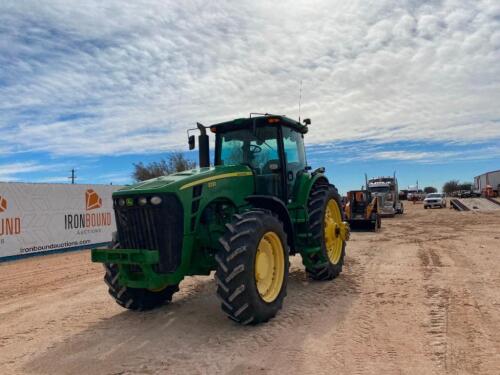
[(465, 186), (430, 189), (176, 162), (451, 186)]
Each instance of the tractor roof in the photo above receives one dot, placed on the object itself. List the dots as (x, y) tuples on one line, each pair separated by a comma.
[(265, 120)]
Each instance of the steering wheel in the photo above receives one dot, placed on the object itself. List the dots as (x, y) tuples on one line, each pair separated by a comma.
[(254, 149)]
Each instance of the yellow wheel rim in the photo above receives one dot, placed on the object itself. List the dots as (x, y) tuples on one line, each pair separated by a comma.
[(269, 266), (333, 240)]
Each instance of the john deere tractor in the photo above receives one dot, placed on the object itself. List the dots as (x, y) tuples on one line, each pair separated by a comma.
[(242, 217)]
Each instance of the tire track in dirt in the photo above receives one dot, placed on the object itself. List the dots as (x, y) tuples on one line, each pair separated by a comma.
[(362, 349), (437, 299), (413, 299)]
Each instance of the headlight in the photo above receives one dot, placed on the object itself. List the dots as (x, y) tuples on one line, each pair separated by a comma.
[(142, 201), (121, 202), (156, 200)]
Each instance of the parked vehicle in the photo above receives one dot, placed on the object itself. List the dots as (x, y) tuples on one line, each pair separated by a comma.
[(415, 194), (362, 208), (487, 184), (387, 192), (242, 218), (465, 194), (489, 192), (435, 200)]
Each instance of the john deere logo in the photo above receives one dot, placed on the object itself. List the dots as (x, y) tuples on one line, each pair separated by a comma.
[(3, 204), (9, 225), (92, 200)]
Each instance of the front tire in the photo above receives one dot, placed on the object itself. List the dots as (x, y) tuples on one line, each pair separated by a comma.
[(324, 217), (135, 298), (376, 223), (252, 267)]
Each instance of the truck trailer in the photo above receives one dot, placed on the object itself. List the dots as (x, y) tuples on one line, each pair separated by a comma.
[(487, 184)]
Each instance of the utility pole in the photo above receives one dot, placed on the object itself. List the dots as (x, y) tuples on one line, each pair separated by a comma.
[(73, 176)]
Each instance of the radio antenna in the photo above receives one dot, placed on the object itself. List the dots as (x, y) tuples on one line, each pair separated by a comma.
[(300, 97)]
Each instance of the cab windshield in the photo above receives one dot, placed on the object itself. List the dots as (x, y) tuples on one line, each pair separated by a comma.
[(434, 195), (258, 149)]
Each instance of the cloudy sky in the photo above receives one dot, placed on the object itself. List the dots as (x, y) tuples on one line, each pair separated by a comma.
[(411, 86)]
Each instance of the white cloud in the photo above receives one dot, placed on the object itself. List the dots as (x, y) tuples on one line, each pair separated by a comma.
[(8, 172), (121, 78), (369, 151), (11, 171)]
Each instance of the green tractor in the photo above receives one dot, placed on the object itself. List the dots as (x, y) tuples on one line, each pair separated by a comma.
[(242, 217)]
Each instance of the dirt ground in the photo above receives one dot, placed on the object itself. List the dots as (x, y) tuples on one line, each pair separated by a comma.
[(420, 297)]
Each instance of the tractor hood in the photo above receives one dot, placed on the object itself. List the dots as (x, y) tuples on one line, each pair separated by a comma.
[(186, 179)]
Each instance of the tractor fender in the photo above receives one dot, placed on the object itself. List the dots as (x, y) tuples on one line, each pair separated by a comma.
[(306, 182), (278, 207)]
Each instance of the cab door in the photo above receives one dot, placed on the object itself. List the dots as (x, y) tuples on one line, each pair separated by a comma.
[(262, 154), (294, 158)]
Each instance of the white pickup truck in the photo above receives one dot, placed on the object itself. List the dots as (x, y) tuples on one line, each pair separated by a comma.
[(435, 200)]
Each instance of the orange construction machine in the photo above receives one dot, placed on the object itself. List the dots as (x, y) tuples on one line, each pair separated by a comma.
[(362, 208)]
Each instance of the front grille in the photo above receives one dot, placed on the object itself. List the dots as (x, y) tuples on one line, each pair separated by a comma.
[(153, 228)]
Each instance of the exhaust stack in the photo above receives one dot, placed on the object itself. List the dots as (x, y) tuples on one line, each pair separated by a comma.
[(203, 146)]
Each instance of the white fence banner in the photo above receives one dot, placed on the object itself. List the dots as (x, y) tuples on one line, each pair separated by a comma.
[(37, 218)]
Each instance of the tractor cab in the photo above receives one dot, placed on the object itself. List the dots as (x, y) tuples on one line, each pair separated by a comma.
[(358, 200), (272, 146)]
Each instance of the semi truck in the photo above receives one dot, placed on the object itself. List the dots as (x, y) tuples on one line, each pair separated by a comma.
[(387, 192)]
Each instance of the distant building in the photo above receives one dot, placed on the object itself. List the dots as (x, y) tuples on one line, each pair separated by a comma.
[(488, 178)]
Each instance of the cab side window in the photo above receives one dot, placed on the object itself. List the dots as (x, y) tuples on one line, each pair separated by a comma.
[(295, 158), (294, 149)]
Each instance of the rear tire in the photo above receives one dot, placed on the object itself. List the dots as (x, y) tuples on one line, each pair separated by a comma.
[(252, 267), (323, 269), (135, 298), (375, 223)]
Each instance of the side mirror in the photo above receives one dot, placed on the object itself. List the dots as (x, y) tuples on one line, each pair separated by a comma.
[(191, 142), (307, 121)]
